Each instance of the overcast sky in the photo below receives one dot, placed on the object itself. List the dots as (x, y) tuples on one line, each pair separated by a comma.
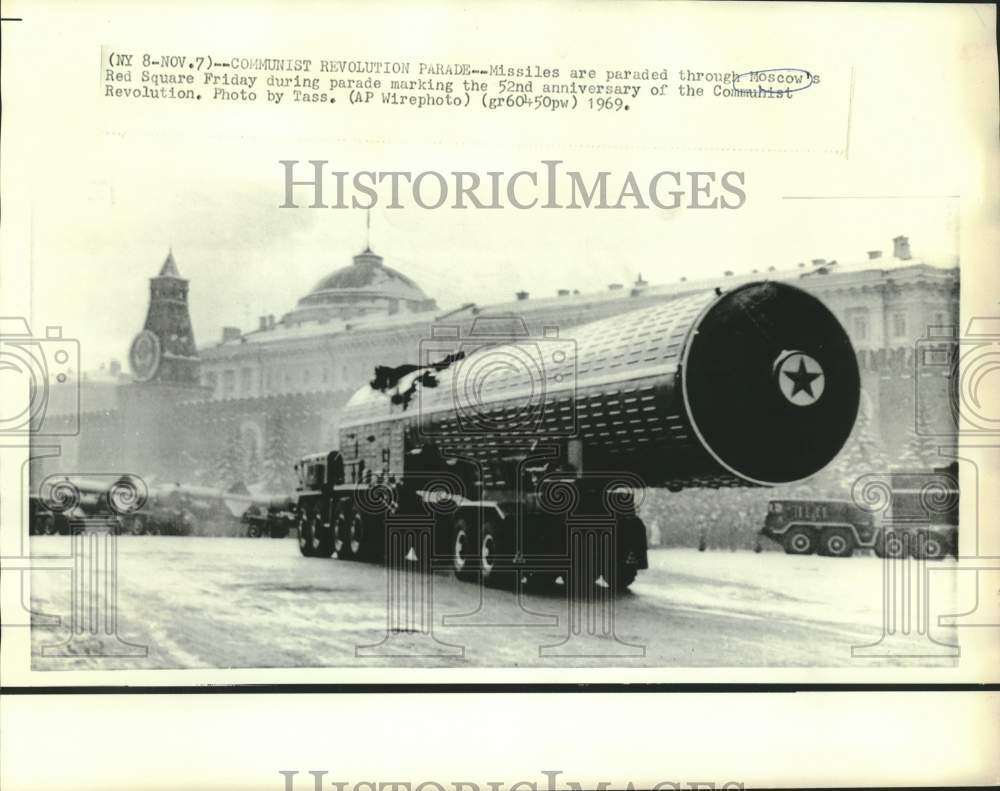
[(245, 257), (136, 178)]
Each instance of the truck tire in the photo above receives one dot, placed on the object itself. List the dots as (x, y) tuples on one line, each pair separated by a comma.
[(836, 542), (304, 528), (930, 546), (322, 536), (623, 575), (359, 538), (495, 569), (892, 544), (340, 529), (623, 578), (278, 531), (252, 530), (799, 541), (463, 552)]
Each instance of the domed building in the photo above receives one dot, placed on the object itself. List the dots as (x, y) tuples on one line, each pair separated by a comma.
[(324, 343), (275, 392), (365, 288)]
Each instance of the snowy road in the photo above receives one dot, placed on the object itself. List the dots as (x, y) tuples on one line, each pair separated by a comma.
[(218, 602)]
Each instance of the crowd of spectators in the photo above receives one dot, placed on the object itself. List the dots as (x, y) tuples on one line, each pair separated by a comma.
[(714, 519)]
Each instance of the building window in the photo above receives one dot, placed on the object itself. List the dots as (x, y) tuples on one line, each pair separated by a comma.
[(899, 325), (246, 381), (212, 380), (859, 324), (305, 376), (228, 382)]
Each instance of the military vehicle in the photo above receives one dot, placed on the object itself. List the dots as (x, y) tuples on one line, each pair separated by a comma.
[(272, 516), (899, 514), (64, 500), (921, 517), (827, 527), (42, 520), (510, 444), (183, 509)]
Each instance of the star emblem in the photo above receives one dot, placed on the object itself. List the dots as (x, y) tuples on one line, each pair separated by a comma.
[(801, 379)]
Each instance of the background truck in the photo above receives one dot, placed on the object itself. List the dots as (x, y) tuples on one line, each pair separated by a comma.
[(270, 515), (908, 514), (827, 527)]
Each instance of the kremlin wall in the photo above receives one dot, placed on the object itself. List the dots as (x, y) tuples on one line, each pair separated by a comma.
[(245, 404)]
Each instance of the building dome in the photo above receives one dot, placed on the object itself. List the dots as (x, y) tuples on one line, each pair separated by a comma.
[(366, 287)]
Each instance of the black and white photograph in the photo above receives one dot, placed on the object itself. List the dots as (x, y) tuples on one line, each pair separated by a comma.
[(346, 347), (579, 478)]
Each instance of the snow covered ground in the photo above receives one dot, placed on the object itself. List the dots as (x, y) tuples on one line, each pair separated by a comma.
[(237, 602), (846, 591)]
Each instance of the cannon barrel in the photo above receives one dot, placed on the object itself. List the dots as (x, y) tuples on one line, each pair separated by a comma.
[(755, 386)]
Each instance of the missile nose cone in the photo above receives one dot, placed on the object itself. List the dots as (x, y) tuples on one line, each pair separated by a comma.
[(771, 383)]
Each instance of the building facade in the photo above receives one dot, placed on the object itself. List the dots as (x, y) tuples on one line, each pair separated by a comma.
[(246, 405)]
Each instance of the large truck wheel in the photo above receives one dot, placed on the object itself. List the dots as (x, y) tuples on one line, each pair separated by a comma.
[(463, 555), (627, 543), (893, 544), (304, 528), (624, 577), (931, 546), (322, 536), (799, 541), (341, 528), (494, 566), (836, 542), (359, 535), (620, 576)]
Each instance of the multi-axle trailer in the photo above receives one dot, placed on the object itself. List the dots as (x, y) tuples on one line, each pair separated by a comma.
[(524, 455)]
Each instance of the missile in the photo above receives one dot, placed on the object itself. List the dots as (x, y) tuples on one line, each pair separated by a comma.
[(756, 386)]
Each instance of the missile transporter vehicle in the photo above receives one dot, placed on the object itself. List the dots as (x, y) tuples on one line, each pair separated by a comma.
[(525, 455), (180, 509), (65, 501), (42, 520)]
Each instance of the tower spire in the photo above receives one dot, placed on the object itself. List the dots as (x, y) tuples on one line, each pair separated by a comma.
[(368, 230), (169, 268), (165, 350)]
